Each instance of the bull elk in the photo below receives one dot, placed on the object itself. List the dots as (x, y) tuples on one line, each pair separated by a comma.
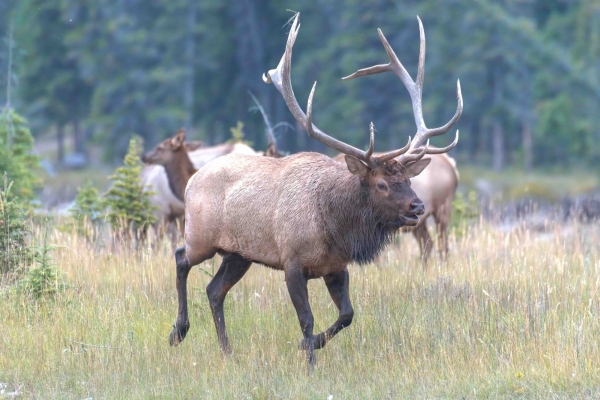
[(304, 214)]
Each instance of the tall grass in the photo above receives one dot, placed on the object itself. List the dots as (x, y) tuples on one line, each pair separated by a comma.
[(509, 315)]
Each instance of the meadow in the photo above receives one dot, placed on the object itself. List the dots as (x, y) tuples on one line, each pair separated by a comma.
[(508, 315)]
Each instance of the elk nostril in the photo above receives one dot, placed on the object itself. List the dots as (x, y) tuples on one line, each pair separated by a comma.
[(417, 207)]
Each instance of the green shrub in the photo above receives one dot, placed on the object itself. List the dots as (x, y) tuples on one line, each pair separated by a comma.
[(465, 212), (88, 210), (14, 232), (129, 208), (16, 157)]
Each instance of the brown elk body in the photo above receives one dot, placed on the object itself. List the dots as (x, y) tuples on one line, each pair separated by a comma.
[(436, 187), (304, 214)]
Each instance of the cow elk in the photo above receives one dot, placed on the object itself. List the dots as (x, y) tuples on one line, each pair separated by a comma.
[(304, 214)]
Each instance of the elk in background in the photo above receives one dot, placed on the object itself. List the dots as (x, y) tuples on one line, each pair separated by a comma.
[(169, 205), (304, 214), (436, 187), (173, 164)]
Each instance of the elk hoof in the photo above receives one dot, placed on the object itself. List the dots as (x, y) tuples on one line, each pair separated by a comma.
[(319, 342), (178, 334)]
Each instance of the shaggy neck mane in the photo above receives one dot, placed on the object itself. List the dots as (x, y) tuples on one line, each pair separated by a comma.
[(179, 171), (355, 230)]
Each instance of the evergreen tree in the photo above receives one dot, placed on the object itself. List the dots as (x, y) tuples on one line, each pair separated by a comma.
[(129, 208), (14, 232), (16, 157), (44, 280), (52, 88)]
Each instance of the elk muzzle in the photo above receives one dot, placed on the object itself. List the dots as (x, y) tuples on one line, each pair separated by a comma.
[(411, 218)]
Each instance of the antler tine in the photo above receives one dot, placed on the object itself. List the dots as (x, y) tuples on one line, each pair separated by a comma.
[(281, 78), (422, 47), (395, 153), (369, 152), (394, 65), (414, 156), (444, 149)]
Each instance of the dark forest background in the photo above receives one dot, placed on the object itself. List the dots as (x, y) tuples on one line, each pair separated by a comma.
[(93, 73)]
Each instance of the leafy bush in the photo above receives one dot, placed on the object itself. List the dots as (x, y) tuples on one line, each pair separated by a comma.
[(16, 158), (465, 211), (129, 207), (14, 232)]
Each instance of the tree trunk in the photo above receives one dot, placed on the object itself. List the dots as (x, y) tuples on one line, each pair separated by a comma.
[(190, 52), (497, 131), (498, 145), (78, 138), (527, 145), (60, 143)]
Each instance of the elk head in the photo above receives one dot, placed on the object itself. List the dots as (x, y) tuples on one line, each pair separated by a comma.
[(164, 152), (386, 178)]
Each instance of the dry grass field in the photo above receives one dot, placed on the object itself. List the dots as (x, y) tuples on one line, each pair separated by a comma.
[(509, 315)]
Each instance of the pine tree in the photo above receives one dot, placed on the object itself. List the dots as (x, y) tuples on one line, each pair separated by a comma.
[(44, 280), (130, 210), (16, 158), (14, 252)]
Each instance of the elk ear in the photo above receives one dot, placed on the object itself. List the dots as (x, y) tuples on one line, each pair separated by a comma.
[(357, 167), (178, 139), (416, 168), (193, 145)]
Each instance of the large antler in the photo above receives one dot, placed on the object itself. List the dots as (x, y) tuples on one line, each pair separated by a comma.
[(280, 77), (415, 89)]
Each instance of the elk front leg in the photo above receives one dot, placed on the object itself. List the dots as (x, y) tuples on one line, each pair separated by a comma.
[(425, 242), (182, 324), (297, 287), (338, 286), (232, 269)]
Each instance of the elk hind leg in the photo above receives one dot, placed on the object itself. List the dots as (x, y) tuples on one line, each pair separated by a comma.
[(442, 218), (232, 269), (338, 286), (296, 283)]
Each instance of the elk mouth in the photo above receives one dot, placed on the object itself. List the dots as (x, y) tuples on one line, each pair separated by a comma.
[(410, 219)]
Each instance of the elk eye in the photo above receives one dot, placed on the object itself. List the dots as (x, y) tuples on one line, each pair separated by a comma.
[(382, 186)]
